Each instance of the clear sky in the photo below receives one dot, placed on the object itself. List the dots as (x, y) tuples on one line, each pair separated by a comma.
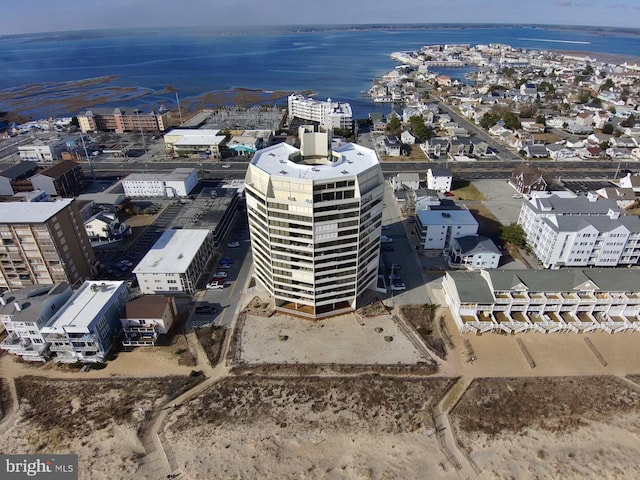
[(26, 16)]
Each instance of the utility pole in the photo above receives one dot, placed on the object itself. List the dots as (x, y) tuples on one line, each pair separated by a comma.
[(86, 154), (179, 109)]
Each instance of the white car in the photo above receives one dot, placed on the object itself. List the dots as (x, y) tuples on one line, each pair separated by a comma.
[(221, 274), (233, 244), (516, 195), (226, 165), (215, 286)]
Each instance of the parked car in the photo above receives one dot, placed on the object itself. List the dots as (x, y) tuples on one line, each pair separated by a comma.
[(226, 165), (386, 239), (226, 261), (385, 227), (233, 244), (398, 286), (221, 274), (449, 194), (224, 266), (215, 285), (204, 310), (516, 195)]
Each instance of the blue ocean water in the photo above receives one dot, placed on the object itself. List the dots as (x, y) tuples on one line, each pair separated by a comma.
[(333, 62)]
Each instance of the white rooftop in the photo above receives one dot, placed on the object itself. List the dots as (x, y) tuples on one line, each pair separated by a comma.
[(354, 159), (83, 307), (188, 132), (178, 174), (188, 140), (31, 212), (173, 252)]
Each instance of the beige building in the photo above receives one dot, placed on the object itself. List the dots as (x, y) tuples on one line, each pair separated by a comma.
[(315, 217), (43, 243), (120, 120)]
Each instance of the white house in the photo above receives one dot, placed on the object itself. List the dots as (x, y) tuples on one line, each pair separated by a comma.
[(147, 317), (105, 226), (630, 181), (175, 262), (437, 228), (407, 138), (406, 181), (473, 252), (42, 151), (439, 179), (178, 183)]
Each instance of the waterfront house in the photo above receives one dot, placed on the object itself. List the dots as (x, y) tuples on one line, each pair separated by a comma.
[(147, 317)]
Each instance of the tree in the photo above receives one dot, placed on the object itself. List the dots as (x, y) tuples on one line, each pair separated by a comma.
[(488, 120), (629, 122), (394, 125), (607, 129), (608, 83), (418, 127), (541, 119), (511, 121), (513, 234)]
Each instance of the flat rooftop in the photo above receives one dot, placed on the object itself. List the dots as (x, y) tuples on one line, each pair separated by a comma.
[(173, 252), (83, 307), (354, 159), (179, 174), (31, 212)]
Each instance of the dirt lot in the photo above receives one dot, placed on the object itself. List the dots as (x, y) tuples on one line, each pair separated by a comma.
[(97, 419), (423, 319), (363, 427), (562, 427)]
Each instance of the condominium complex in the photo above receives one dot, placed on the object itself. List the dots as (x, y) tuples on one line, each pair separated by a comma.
[(315, 217), (565, 230), (43, 243), (121, 120), (546, 301), (327, 114), (83, 330), (175, 262), (24, 312)]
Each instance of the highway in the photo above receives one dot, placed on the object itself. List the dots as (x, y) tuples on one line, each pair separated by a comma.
[(465, 171)]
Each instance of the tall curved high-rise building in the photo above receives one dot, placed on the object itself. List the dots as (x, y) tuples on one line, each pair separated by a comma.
[(315, 217)]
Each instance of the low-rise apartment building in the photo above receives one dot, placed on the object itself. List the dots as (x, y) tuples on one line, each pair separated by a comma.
[(564, 230), (436, 228), (178, 183), (84, 329), (61, 180), (184, 142), (121, 120), (175, 262), (545, 301), (24, 312), (439, 179)]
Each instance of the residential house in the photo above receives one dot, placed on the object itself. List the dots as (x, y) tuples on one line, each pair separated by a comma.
[(407, 138), (473, 252), (439, 179), (24, 312), (624, 197), (536, 151), (630, 181), (559, 152), (435, 147), (84, 329), (460, 146), (404, 181), (147, 317), (105, 226), (479, 148), (392, 145), (526, 179), (571, 300)]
